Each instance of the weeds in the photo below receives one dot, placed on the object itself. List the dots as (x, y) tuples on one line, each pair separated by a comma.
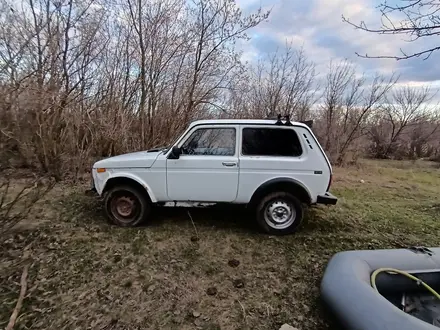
[(87, 273)]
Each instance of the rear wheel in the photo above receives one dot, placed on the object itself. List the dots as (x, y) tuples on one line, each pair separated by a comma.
[(279, 213), (126, 206)]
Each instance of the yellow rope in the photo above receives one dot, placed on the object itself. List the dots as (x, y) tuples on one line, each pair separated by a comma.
[(401, 272)]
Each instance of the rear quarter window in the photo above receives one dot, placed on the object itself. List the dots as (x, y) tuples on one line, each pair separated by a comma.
[(259, 141)]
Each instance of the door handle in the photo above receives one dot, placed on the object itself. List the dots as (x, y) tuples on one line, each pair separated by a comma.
[(229, 164)]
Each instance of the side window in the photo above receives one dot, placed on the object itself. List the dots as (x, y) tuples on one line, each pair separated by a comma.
[(271, 142), (210, 141)]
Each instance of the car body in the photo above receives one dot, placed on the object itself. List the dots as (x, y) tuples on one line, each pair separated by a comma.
[(226, 161)]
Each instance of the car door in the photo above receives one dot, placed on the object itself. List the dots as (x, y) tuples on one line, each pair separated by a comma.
[(207, 169)]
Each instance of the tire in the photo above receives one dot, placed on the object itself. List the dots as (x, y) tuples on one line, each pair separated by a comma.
[(279, 213), (126, 206)]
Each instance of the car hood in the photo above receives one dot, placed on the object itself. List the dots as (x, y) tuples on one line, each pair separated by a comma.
[(141, 159)]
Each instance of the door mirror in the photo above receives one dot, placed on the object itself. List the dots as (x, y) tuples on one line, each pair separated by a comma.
[(175, 153)]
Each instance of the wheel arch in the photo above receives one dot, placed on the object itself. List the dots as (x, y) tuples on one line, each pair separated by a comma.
[(130, 180), (289, 185)]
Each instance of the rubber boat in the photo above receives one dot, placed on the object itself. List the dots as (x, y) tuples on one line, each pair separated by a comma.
[(384, 289)]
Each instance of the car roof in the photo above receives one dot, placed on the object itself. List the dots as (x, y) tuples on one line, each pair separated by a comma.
[(241, 122)]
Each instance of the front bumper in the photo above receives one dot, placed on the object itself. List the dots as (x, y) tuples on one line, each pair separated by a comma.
[(327, 199)]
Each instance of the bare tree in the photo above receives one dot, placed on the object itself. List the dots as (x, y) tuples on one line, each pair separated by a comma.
[(92, 78), (417, 19), (216, 27), (282, 83), (337, 81), (357, 112), (406, 107), (348, 103), (86, 79)]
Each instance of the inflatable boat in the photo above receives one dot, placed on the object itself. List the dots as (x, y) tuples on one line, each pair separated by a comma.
[(384, 289)]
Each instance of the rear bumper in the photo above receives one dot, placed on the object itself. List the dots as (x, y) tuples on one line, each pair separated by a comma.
[(327, 199)]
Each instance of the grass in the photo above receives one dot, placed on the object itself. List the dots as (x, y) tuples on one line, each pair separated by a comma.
[(86, 274)]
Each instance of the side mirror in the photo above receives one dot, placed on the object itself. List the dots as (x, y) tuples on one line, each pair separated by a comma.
[(175, 153)]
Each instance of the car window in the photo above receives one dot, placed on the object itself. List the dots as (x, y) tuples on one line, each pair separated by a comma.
[(270, 142), (210, 141)]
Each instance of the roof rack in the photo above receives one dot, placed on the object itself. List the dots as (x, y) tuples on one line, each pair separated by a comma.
[(280, 119), (286, 118)]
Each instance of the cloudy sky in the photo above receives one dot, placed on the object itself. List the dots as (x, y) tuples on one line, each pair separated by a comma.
[(316, 25)]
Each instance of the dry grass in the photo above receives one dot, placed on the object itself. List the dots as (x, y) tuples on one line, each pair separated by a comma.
[(86, 274)]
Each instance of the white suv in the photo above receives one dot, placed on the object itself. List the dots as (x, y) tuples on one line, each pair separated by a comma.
[(272, 166)]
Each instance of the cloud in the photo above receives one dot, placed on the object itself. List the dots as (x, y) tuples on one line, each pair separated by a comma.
[(317, 26)]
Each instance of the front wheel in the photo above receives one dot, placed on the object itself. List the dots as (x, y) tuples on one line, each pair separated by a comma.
[(126, 206), (279, 213)]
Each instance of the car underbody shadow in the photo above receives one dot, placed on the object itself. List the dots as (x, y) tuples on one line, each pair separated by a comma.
[(221, 216)]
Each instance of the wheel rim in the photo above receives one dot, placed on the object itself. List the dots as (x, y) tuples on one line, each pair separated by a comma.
[(279, 214), (125, 207)]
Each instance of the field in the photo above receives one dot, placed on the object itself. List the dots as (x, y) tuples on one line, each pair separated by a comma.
[(86, 274)]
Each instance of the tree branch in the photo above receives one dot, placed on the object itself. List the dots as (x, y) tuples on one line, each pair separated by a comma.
[(405, 57), (16, 312), (417, 19)]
